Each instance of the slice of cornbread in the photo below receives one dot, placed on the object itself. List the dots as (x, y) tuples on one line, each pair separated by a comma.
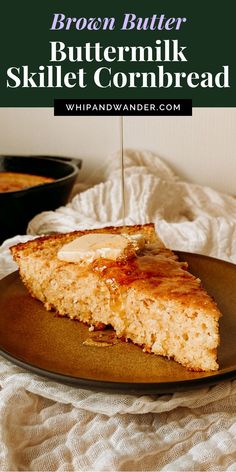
[(146, 295)]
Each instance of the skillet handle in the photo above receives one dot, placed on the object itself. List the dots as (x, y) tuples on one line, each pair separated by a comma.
[(73, 160)]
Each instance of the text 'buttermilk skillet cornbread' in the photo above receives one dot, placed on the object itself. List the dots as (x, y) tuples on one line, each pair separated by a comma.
[(125, 277)]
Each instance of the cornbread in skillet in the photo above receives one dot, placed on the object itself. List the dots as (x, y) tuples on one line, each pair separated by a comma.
[(146, 295), (12, 181)]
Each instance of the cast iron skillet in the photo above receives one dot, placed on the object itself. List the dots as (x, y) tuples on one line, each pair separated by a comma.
[(18, 207)]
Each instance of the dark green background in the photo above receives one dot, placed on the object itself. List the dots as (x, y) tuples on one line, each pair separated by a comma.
[(209, 36)]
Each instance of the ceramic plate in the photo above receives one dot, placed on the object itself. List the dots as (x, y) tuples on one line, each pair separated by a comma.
[(62, 349)]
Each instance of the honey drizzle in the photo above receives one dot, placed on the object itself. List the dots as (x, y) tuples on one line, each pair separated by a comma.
[(123, 206)]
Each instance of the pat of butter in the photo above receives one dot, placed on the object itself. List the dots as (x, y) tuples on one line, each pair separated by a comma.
[(92, 246), (137, 240)]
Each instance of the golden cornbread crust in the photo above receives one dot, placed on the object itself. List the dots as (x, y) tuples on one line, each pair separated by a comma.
[(13, 181), (149, 298)]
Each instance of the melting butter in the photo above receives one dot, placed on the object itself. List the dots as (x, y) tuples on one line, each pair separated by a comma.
[(92, 246)]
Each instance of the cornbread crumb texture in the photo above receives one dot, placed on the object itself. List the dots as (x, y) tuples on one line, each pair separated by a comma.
[(150, 298)]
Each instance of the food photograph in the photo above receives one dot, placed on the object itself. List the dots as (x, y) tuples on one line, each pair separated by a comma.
[(117, 291)]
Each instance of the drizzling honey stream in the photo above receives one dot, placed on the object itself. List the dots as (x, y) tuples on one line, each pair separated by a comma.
[(123, 205)]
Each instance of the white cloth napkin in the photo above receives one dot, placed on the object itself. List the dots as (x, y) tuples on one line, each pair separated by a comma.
[(48, 426)]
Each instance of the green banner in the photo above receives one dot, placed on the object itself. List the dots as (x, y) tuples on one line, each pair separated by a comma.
[(121, 50)]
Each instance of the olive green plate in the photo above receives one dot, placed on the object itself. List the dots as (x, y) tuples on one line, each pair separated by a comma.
[(53, 347)]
